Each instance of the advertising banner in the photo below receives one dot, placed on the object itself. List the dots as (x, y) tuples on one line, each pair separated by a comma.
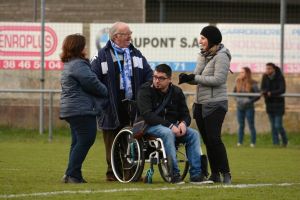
[(254, 45), (20, 44), (251, 45)]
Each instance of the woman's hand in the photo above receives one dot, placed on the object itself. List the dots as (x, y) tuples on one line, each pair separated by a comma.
[(185, 78)]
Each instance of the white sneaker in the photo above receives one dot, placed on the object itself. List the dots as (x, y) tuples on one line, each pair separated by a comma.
[(238, 144), (252, 145)]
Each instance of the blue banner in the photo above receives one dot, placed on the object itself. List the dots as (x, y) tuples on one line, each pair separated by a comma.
[(176, 66)]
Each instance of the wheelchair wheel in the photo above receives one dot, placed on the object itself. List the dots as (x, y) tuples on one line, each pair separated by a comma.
[(165, 166), (127, 157)]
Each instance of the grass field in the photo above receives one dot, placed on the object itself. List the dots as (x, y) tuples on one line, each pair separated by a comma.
[(31, 168)]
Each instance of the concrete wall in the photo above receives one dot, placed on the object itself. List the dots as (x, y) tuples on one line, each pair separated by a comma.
[(90, 11)]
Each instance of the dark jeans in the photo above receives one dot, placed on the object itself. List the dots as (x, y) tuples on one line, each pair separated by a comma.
[(83, 130), (249, 114), (210, 130), (277, 128)]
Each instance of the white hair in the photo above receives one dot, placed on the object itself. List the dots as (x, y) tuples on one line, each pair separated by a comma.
[(115, 28)]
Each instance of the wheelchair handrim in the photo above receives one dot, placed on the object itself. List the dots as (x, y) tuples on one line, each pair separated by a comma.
[(137, 164)]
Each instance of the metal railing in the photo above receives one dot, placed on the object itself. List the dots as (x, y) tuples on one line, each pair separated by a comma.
[(234, 94), (51, 92)]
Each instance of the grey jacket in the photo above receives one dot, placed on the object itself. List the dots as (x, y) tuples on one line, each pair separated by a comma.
[(247, 102), (82, 92), (211, 76)]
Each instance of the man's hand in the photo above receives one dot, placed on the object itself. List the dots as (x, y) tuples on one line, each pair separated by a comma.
[(185, 78), (182, 128), (266, 93), (176, 130)]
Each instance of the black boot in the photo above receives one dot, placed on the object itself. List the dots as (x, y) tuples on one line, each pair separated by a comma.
[(215, 177), (70, 179), (227, 178)]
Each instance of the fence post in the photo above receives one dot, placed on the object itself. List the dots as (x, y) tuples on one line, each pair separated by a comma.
[(282, 22), (42, 79), (50, 116)]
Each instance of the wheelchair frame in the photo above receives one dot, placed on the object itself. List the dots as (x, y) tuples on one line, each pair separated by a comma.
[(133, 158)]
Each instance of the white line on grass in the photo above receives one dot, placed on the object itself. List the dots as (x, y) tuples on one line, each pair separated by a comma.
[(9, 196), (10, 169)]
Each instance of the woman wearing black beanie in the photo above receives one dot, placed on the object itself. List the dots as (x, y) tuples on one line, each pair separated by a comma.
[(211, 103)]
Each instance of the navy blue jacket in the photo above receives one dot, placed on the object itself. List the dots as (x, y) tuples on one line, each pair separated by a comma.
[(275, 85), (82, 92), (103, 65)]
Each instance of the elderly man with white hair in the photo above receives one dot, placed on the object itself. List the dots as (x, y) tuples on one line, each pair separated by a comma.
[(123, 69)]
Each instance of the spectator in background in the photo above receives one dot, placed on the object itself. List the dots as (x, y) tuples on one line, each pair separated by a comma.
[(123, 69), (245, 105), (272, 86), (211, 103), (82, 99)]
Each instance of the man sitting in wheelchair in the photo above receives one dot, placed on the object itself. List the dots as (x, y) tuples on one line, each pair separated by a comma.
[(171, 124)]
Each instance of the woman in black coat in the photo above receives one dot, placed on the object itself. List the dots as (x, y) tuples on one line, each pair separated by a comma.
[(272, 86)]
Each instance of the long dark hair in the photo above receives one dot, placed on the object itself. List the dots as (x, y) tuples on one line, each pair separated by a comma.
[(245, 84), (72, 47)]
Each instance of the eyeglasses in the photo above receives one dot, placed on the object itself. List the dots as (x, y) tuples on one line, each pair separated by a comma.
[(160, 78), (125, 34)]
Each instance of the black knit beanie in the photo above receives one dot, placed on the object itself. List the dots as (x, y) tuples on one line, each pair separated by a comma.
[(212, 34)]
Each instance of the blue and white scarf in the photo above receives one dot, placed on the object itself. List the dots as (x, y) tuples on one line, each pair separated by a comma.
[(126, 73)]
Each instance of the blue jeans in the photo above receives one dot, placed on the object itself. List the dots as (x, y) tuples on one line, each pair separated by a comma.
[(83, 131), (277, 128), (192, 146), (249, 114)]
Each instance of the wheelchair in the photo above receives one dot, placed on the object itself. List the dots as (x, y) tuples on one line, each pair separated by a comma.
[(129, 155)]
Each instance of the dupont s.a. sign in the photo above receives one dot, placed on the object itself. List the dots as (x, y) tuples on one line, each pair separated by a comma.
[(20, 44), (174, 44)]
